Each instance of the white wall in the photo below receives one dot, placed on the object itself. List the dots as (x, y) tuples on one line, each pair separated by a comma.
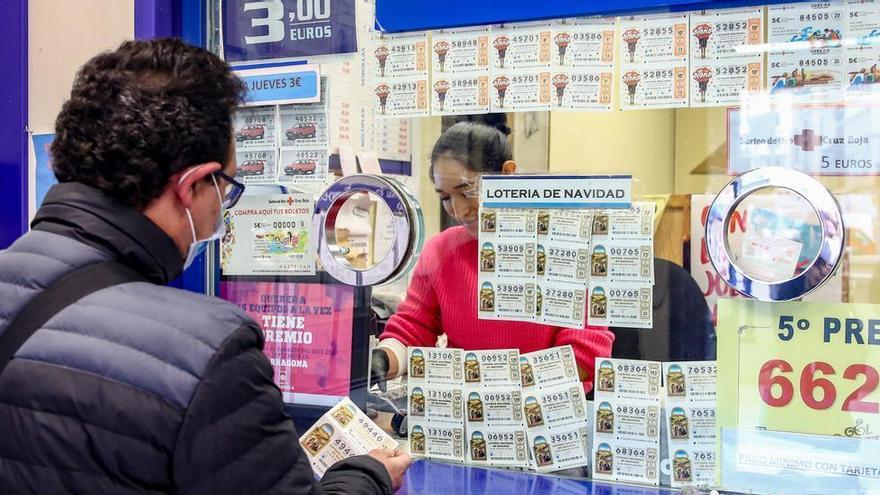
[(62, 36)]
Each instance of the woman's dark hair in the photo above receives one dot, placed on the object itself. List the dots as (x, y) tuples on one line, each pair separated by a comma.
[(479, 142), (142, 113)]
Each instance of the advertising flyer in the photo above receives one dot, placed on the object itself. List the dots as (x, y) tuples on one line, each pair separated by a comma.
[(459, 50), (583, 88), (284, 29), (521, 46), (863, 27), (521, 90), (402, 97), (269, 235), (342, 432), (436, 405), (800, 367), (466, 93), (626, 431), (308, 330), (584, 42), (655, 85), (809, 67)]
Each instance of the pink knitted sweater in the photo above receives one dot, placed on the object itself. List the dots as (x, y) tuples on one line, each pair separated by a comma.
[(442, 298)]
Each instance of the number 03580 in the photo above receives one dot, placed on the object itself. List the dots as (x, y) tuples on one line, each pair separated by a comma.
[(817, 391)]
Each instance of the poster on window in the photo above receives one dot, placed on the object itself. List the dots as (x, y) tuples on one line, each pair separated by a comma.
[(307, 327), (285, 29)]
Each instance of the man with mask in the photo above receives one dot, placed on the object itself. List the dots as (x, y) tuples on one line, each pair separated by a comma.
[(110, 382)]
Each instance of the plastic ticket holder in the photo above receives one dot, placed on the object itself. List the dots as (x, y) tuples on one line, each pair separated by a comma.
[(815, 194), (406, 220)]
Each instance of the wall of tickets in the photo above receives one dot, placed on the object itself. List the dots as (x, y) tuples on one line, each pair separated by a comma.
[(698, 59)]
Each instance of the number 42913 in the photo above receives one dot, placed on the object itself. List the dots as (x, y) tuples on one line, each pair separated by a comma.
[(817, 391)]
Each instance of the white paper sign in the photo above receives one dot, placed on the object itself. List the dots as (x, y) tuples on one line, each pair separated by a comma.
[(269, 235), (556, 191), (826, 140)]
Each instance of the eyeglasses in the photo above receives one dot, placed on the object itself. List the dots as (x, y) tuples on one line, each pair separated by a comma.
[(234, 193)]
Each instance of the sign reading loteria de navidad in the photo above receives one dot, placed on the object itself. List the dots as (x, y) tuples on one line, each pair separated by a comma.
[(556, 191)]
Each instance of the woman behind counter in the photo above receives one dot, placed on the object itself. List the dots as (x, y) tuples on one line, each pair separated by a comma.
[(442, 294)]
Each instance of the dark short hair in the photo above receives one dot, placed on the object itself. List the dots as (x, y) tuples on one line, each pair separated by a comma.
[(142, 113), (479, 142)]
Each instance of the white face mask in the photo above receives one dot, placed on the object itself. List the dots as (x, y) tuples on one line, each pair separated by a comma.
[(197, 247)]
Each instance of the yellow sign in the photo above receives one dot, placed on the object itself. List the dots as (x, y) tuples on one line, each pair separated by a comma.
[(799, 367)]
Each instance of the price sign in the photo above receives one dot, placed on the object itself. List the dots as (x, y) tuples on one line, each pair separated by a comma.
[(799, 367)]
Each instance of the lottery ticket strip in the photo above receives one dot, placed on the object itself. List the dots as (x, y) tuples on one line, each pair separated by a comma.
[(567, 267)]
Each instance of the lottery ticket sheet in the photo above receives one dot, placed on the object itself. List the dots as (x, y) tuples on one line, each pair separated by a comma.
[(626, 442), (343, 432), (689, 415), (435, 407), (507, 263)]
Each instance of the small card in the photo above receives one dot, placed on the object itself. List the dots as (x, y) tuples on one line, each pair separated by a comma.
[(554, 449), (436, 403), (628, 419), (435, 365), (692, 423), (436, 441), (555, 406), (498, 367), (627, 461), (636, 223), (622, 304), (691, 380), (693, 465), (494, 406), (547, 368), (498, 446), (623, 378), (622, 261)]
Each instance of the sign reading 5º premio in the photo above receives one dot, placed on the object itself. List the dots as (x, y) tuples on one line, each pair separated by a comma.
[(799, 367), (283, 29)]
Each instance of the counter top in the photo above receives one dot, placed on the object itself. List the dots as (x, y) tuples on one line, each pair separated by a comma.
[(431, 477)]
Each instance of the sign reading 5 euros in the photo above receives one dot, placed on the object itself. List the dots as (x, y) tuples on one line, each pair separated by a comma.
[(799, 367)]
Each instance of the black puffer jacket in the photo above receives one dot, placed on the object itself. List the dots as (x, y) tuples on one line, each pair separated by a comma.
[(141, 388)]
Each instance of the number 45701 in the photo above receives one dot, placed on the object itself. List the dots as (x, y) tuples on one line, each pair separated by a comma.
[(816, 391)]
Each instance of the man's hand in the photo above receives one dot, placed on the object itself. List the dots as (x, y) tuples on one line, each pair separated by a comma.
[(395, 462)]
